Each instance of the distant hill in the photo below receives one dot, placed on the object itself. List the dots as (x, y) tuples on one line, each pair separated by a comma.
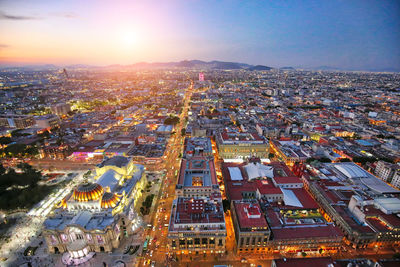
[(189, 64), (325, 68), (287, 68), (199, 64), (259, 67)]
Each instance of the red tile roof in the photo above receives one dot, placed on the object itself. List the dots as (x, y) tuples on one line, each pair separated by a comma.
[(305, 198), (288, 180), (305, 262), (318, 231), (243, 218), (266, 187)]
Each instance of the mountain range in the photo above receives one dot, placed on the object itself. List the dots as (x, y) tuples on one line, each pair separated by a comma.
[(193, 64)]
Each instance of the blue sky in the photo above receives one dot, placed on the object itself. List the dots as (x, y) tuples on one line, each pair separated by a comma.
[(345, 34)]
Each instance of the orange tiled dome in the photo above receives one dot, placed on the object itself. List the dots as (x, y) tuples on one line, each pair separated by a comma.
[(88, 192), (109, 200)]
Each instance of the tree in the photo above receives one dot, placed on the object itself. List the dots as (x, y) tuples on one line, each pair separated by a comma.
[(363, 160), (226, 204), (5, 140), (309, 160), (326, 160), (172, 120), (183, 132), (15, 150), (2, 169), (271, 155), (16, 133), (87, 174), (345, 160)]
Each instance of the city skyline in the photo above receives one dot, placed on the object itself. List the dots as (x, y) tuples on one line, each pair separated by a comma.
[(360, 35)]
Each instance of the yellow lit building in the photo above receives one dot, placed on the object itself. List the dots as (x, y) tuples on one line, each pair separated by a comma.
[(97, 215)]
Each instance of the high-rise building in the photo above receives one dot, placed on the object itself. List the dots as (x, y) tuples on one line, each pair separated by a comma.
[(17, 121), (47, 121), (201, 77), (61, 109)]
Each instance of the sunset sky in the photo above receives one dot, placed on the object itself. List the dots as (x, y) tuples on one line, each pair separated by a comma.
[(348, 34)]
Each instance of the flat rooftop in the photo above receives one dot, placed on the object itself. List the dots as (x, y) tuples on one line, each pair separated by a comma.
[(197, 172), (236, 138), (237, 179), (249, 215), (190, 211), (305, 262), (198, 146)]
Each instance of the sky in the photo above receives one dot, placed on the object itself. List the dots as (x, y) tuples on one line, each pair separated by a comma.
[(346, 34)]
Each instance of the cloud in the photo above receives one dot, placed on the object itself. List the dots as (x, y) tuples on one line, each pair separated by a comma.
[(66, 15), (3, 46), (16, 17)]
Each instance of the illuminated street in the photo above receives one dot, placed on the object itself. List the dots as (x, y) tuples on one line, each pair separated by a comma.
[(199, 133), (29, 227)]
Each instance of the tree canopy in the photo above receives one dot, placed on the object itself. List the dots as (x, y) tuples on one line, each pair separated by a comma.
[(173, 120), (20, 190)]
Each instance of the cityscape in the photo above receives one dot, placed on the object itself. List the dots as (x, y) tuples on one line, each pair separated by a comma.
[(130, 154)]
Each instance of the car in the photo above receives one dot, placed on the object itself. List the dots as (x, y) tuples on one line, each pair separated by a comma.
[(151, 253), (153, 263)]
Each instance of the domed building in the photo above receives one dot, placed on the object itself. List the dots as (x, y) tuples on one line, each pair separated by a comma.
[(98, 214)]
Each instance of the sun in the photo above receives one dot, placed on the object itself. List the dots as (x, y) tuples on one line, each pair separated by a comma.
[(128, 39)]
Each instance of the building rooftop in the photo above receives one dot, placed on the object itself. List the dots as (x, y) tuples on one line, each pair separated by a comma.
[(249, 215), (317, 262), (190, 212), (117, 161), (198, 146), (197, 171), (307, 232)]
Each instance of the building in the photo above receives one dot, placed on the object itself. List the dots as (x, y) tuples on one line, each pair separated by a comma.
[(396, 179), (234, 145), (201, 77), (289, 151), (97, 215), (197, 225), (198, 146), (253, 180), (386, 171), (60, 109), (306, 262), (364, 207), (16, 121), (47, 121), (55, 151), (293, 216), (197, 178), (251, 228)]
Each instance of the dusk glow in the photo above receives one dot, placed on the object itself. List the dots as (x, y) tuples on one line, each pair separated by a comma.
[(199, 133), (344, 34)]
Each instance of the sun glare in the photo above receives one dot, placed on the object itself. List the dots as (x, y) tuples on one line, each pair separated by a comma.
[(129, 39)]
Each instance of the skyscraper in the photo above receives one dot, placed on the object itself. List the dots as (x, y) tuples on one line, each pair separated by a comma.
[(201, 77)]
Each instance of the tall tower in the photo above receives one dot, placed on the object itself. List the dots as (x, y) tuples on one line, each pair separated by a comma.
[(65, 73), (201, 77)]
